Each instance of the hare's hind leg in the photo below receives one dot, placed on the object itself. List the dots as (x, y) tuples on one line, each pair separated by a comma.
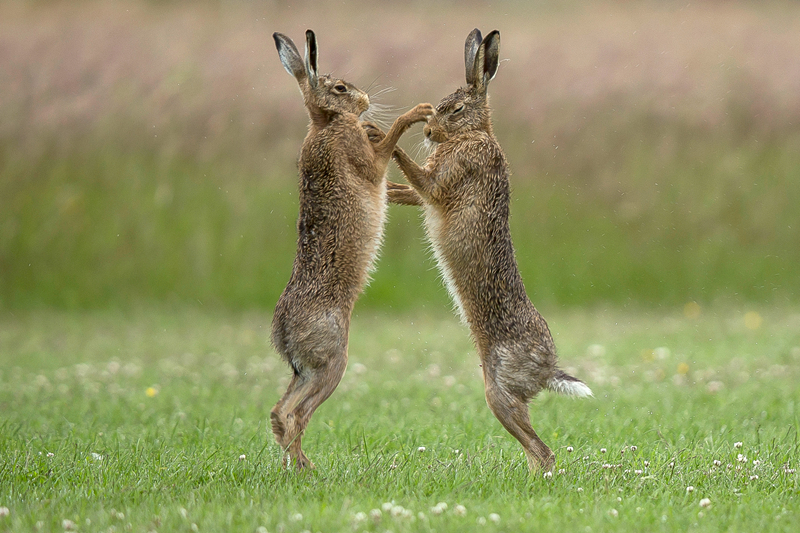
[(512, 412), (305, 393)]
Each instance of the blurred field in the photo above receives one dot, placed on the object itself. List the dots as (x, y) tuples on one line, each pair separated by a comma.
[(147, 149)]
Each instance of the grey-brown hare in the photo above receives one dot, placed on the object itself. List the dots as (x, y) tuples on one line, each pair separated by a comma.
[(340, 226), (464, 191)]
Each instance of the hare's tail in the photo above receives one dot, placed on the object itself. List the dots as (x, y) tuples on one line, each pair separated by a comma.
[(563, 383)]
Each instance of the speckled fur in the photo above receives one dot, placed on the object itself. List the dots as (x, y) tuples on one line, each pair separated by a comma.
[(339, 231), (464, 189)]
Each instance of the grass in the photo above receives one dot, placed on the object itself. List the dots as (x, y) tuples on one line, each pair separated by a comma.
[(155, 419)]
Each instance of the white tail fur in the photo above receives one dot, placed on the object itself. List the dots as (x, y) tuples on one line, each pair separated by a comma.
[(563, 383)]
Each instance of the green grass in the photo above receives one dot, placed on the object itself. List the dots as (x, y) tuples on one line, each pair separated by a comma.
[(706, 219), (138, 420)]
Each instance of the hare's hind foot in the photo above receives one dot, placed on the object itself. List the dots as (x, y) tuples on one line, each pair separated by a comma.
[(278, 427), (512, 412), (540, 459)]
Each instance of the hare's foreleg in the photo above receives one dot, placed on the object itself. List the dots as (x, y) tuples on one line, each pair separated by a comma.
[(305, 394), (512, 412), (402, 194), (419, 178), (420, 113)]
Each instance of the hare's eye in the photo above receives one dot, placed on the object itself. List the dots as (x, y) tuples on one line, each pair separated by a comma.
[(458, 109), (339, 88)]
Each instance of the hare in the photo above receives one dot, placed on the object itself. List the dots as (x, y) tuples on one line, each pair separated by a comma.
[(340, 226), (464, 190)]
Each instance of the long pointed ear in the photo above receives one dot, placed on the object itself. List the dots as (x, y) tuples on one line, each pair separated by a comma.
[(311, 58), (470, 50), (290, 57), (487, 60)]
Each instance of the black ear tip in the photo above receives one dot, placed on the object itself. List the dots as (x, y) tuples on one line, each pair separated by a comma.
[(310, 34)]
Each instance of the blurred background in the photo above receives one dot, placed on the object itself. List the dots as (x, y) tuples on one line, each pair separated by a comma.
[(148, 148)]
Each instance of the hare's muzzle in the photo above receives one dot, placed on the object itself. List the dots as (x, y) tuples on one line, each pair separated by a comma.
[(426, 130)]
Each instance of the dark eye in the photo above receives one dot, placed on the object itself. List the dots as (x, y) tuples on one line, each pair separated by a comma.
[(458, 109), (339, 88)]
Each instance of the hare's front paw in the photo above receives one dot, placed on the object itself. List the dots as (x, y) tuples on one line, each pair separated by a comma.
[(420, 113), (374, 133)]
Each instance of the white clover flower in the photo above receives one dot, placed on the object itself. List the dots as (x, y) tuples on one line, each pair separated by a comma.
[(637, 472), (561, 471), (386, 507), (242, 457), (603, 450), (717, 462), (570, 449), (690, 489), (705, 502), (756, 462), (460, 510), (481, 521), (753, 477), (646, 464), (68, 524), (360, 517), (4, 511), (548, 475), (421, 449), (296, 517), (737, 445), (614, 513), (396, 511), (634, 448), (375, 514), (262, 529), (494, 517), (741, 458), (580, 489), (436, 510), (50, 454)]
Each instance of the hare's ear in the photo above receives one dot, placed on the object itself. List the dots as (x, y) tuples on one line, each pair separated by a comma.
[(290, 57), (470, 50), (487, 60), (311, 58)]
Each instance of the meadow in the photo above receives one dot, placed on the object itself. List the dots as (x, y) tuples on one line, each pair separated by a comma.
[(157, 420), (148, 201)]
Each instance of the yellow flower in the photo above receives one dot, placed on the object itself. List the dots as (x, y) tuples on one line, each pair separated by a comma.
[(752, 320), (683, 369), (151, 392), (691, 310)]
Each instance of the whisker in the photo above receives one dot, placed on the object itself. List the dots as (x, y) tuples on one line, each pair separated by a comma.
[(369, 87), (383, 91)]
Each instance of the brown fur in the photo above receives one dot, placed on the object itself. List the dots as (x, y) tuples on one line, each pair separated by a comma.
[(342, 207), (464, 189)]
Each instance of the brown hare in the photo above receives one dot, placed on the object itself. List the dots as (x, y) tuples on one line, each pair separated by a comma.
[(340, 225), (464, 190)]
